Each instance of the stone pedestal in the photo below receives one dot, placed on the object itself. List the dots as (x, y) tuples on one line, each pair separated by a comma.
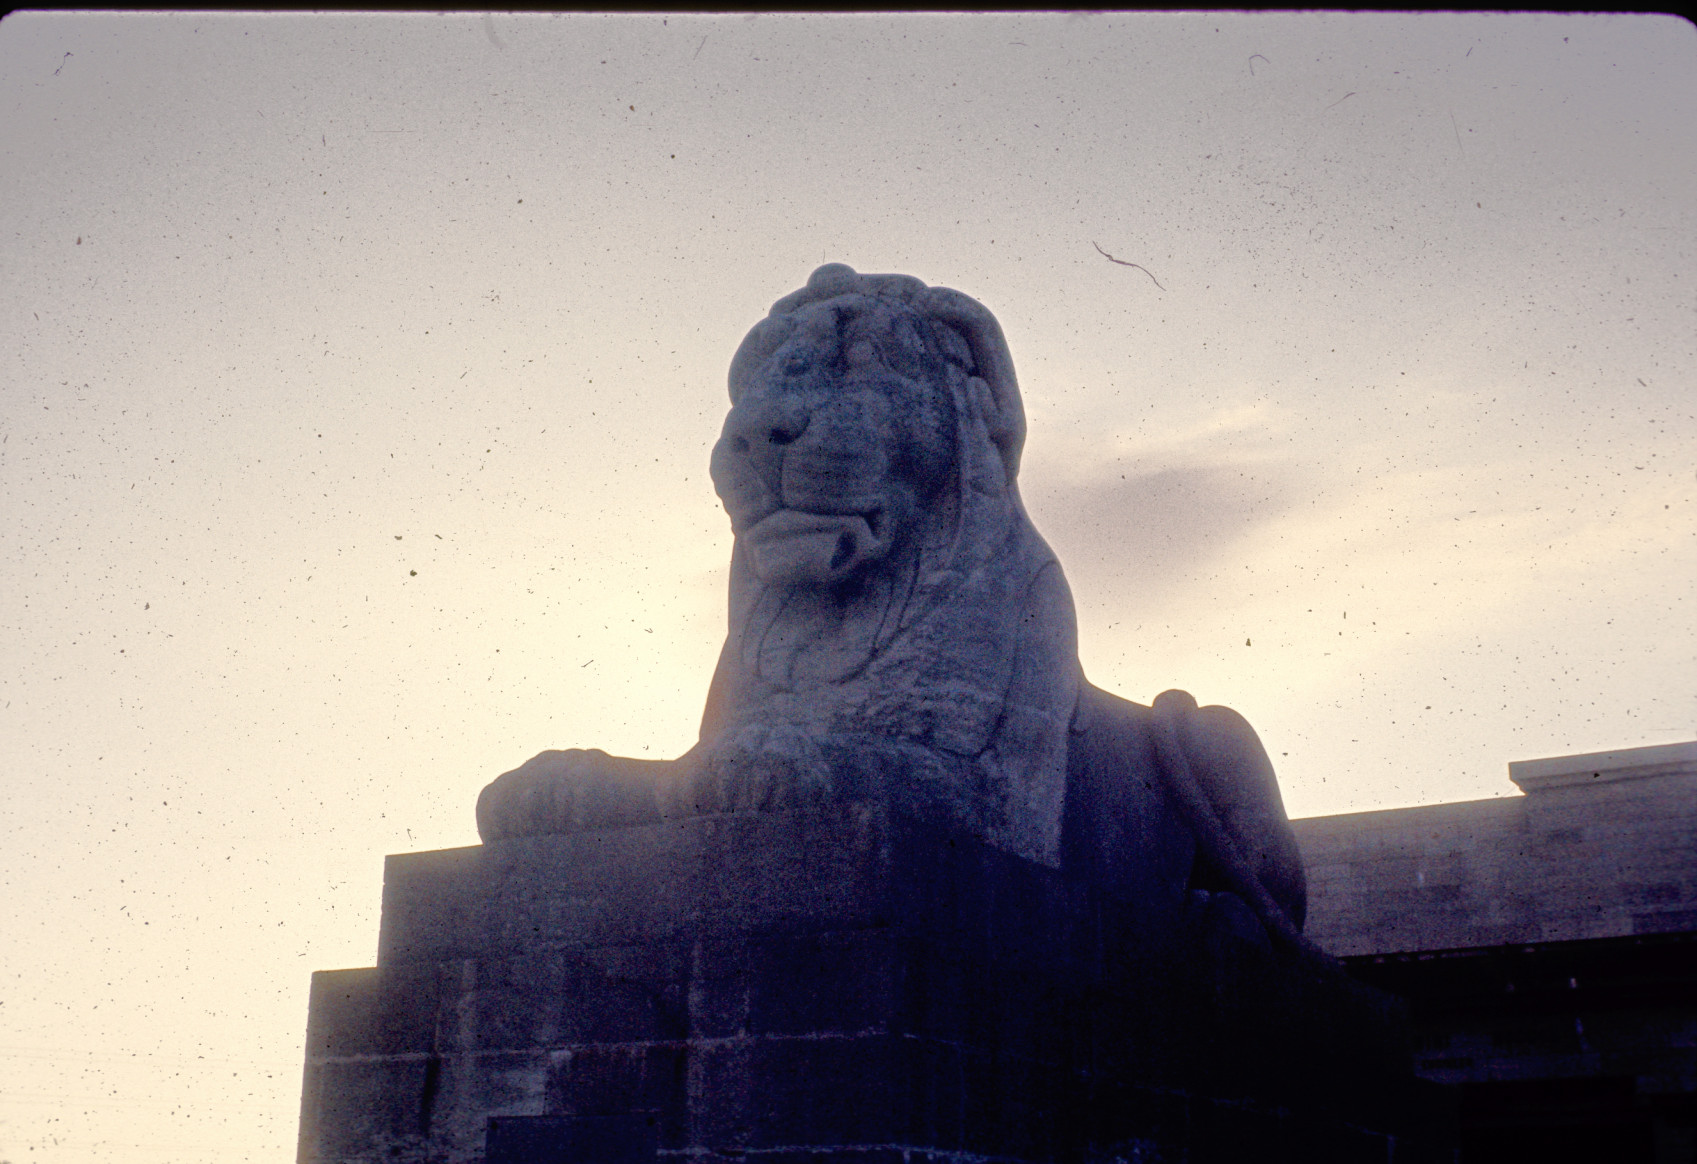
[(830, 987)]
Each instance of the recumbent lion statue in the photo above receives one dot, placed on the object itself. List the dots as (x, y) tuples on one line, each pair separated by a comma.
[(900, 632)]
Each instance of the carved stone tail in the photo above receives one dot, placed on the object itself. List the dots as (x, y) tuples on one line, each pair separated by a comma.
[(1212, 837)]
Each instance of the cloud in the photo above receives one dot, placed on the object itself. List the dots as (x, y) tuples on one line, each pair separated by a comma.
[(1154, 530)]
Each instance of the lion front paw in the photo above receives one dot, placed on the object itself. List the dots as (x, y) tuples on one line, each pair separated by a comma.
[(757, 769), (563, 792)]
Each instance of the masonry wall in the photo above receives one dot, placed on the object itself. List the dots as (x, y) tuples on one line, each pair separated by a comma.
[(1603, 847), (1546, 944)]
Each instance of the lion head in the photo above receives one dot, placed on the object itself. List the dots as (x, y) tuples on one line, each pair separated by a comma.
[(886, 584)]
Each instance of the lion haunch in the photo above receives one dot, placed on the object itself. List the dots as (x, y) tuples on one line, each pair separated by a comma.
[(900, 632)]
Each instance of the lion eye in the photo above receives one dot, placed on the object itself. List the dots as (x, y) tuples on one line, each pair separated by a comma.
[(778, 436)]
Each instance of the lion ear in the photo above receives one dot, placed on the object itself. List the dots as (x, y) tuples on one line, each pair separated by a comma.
[(1005, 415)]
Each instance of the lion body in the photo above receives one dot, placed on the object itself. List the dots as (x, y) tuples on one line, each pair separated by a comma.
[(898, 629)]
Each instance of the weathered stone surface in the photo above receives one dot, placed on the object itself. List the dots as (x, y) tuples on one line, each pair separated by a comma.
[(943, 996), (919, 892), (1546, 945), (1601, 846), (900, 633)]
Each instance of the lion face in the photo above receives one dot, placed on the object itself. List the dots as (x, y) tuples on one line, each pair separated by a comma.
[(837, 442)]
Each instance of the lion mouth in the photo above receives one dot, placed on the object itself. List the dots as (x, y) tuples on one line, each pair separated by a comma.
[(794, 545)]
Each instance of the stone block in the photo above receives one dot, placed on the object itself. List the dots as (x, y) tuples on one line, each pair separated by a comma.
[(617, 1079), (823, 1091), (622, 1139), (885, 982), (474, 1087), (376, 1011), (367, 1109), (854, 1156), (637, 886), (831, 983), (557, 997), (1127, 1121)]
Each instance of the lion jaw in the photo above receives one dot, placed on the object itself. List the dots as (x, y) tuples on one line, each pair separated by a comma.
[(795, 547), (814, 508)]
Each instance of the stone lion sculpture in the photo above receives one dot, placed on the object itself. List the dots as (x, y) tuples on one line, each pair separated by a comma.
[(899, 632)]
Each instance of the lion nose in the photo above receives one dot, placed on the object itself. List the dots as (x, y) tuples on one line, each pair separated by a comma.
[(748, 462), (761, 428)]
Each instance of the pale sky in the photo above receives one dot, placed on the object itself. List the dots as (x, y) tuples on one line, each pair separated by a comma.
[(358, 377)]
